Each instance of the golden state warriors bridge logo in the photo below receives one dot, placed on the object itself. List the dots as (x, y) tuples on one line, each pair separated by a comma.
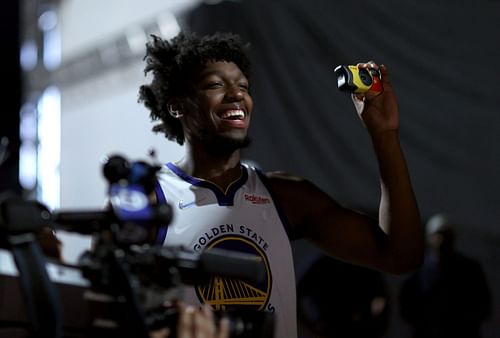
[(224, 293)]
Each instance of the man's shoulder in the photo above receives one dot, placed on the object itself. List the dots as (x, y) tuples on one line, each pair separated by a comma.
[(283, 176), (293, 189)]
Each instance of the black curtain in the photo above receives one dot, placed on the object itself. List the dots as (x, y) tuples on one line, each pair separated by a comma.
[(10, 75), (442, 57), (443, 61)]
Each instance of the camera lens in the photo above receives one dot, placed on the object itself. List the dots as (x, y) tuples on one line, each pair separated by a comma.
[(365, 77)]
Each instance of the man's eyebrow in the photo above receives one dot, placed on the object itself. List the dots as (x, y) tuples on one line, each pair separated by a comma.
[(205, 73), (203, 76)]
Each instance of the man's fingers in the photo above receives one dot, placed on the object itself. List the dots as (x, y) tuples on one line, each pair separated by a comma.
[(359, 102), (384, 74), (223, 328), (186, 322), (204, 325)]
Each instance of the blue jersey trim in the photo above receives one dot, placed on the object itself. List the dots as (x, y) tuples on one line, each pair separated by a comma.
[(161, 233), (224, 199), (284, 220)]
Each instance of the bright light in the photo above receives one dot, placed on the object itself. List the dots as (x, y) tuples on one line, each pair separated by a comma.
[(27, 165), (49, 147), (28, 55), (47, 20), (169, 27), (27, 151), (136, 38), (27, 125), (52, 49)]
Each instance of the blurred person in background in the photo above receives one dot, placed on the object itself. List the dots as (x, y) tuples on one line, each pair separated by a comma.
[(449, 297), (340, 300)]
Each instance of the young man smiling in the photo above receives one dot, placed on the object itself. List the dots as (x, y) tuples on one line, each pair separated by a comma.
[(200, 94)]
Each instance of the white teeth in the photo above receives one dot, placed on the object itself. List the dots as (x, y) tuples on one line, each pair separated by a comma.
[(233, 113)]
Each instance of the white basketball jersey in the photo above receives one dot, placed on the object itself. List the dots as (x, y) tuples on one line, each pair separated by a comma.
[(244, 218)]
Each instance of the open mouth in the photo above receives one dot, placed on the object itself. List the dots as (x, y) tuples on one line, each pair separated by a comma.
[(233, 114), (234, 118)]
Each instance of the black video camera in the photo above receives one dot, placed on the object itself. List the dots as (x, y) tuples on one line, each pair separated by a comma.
[(131, 278)]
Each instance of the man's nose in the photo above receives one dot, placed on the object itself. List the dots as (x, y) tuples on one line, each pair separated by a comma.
[(235, 92)]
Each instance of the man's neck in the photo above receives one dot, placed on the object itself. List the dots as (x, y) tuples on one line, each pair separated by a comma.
[(221, 169)]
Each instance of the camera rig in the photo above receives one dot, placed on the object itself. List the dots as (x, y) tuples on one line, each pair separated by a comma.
[(130, 278)]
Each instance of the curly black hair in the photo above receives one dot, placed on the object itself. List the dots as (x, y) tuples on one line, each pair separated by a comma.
[(175, 62)]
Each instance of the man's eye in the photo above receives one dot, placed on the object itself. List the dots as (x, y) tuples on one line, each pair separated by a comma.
[(214, 85), (244, 86)]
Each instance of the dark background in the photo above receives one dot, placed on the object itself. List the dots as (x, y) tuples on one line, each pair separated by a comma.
[(10, 76), (442, 58)]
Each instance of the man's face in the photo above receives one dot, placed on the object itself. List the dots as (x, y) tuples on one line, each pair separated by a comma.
[(219, 109)]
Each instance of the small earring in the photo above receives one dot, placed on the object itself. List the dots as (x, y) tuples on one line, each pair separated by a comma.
[(175, 113)]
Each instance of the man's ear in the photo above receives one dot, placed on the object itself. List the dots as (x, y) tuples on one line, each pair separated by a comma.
[(175, 108)]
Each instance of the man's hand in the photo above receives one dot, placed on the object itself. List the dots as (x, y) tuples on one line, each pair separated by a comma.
[(378, 110), (195, 323), (51, 245)]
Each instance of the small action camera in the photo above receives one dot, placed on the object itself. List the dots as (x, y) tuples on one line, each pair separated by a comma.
[(351, 78)]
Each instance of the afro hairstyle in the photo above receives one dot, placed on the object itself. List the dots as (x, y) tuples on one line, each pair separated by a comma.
[(174, 63)]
